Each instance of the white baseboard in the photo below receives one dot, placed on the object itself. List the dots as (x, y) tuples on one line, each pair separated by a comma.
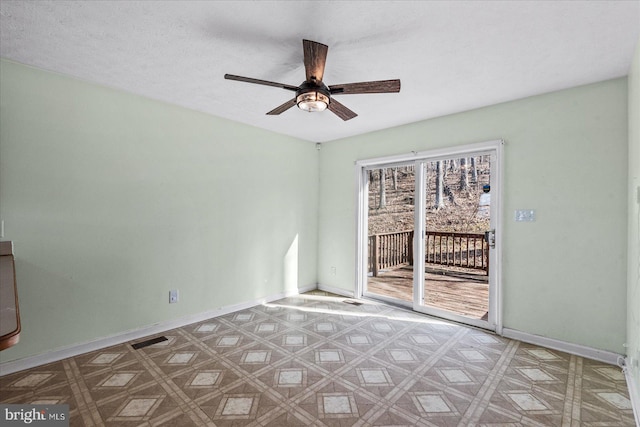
[(134, 334), (334, 290), (577, 349), (634, 392), (304, 289)]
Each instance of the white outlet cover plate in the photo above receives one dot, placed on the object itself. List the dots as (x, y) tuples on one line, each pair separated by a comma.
[(173, 296)]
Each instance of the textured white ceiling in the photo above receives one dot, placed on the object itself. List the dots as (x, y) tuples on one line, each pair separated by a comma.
[(451, 56)]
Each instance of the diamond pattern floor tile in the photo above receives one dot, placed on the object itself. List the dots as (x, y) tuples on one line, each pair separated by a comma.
[(315, 360)]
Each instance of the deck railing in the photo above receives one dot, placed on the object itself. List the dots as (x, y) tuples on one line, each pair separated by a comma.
[(390, 249), (469, 250)]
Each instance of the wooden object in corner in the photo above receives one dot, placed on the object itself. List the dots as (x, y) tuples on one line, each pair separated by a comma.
[(9, 311)]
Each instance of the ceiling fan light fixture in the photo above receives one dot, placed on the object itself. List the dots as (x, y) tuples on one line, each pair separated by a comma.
[(313, 95), (312, 101)]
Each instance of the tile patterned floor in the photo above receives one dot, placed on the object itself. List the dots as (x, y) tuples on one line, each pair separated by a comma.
[(314, 360)]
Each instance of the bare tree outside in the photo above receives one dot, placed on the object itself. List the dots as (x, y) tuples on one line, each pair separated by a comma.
[(464, 176), (474, 170), (383, 186), (448, 208), (397, 213), (439, 193), (395, 179), (453, 165)]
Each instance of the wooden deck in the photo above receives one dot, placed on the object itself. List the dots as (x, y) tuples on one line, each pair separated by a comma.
[(464, 293)]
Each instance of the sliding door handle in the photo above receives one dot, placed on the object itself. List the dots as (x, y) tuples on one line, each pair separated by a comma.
[(490, 238)]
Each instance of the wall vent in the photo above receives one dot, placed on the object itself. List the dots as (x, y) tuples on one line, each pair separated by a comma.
[(147, 343)]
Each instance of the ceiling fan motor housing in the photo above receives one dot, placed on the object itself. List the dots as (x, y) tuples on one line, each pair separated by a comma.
[(311, 96)]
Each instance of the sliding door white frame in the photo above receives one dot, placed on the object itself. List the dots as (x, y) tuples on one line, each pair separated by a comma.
[(417, 157), (363, 227)]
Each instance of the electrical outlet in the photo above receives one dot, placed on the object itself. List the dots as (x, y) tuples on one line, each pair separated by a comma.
[(333, 271), (173, 296)]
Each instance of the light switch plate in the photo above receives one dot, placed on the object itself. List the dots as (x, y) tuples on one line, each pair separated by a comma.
[(525, 215)]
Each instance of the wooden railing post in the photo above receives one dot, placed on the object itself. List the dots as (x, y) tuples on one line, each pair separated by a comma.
[(376, 240), (410, 248)]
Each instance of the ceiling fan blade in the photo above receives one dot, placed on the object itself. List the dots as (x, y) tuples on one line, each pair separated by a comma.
[(282, 108), (341, 111), (315, 56), (379, 86), (260, 82)]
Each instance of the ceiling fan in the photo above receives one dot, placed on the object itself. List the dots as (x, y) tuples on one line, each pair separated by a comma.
[(313, 94)]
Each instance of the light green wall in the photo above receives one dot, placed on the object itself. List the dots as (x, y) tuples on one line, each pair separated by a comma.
[(633, 263), (564, 275), (113, 199)]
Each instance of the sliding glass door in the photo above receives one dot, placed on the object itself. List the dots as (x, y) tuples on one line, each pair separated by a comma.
[(429, 228), (456, 237), (390, 218)]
